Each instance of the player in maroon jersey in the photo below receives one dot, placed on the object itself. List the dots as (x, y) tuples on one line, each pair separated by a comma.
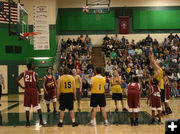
[(31, 94), (133, 96), (167, 92), (49, 85), (155, 100)]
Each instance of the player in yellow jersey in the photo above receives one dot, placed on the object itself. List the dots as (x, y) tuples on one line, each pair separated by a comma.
[(158, 74), (78, 82), (97, 96), (66, 94), (117, 90)]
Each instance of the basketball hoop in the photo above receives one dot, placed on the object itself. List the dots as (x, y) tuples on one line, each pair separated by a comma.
[(31, 33), (30, 36), (85, 9)]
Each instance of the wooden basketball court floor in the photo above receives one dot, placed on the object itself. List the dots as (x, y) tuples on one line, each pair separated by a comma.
[(12, 112)]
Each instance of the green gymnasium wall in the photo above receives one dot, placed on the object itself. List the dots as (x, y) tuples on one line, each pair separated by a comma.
[(156, 19), (69, 20), (123, 11)]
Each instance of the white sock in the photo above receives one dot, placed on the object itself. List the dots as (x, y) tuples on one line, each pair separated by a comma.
[(73, 120), (61, 120), (92, 121)]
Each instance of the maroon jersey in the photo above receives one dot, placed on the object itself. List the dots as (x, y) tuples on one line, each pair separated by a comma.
[(30, 79), (156, 91), (51, 82), (155, 100), (134, 86)]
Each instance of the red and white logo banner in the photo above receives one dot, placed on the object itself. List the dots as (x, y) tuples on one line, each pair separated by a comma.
[(123, 25)]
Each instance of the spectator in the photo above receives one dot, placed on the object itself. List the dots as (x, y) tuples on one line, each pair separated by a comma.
[(77, 64), (131, 51), (113, 54), (148, 40), (87, 39), (68, 42), (84, 66), (57, 74), (90, 46), (108, 68), (85, 88), (70, 65), (90, 68), (106, 38), (124, 87), (171, 37)]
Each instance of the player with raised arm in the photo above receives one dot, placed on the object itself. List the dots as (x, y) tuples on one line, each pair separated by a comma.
[(31, 94), (133, 97), (98, 96), (66, 94), (158, 74), (49, 85)]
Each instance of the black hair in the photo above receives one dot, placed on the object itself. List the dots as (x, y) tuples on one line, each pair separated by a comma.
[(135, 79), (168, 72), (155, 81), (66, 70), (98, 70), (48, 69), (29, 66)]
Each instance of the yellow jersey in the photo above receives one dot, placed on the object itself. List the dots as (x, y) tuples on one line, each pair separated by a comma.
[(77, 81), (159, 77), (67, 85), (116, 88), (98, 83)]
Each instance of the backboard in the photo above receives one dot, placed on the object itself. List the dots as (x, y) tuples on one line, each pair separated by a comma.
[(22, 23), (98, 6)]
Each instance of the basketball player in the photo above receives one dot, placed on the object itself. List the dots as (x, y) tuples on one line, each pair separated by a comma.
[(31, 94), (158, 74), (78, 82), (117, 90), (133, 96), (167, 93), (66, 94), (155, 100), (49, 85), (97, 96)]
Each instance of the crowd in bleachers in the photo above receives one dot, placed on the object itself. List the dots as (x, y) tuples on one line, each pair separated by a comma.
[(131, 58), (77, 54)]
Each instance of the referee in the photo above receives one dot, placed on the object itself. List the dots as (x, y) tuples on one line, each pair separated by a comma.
[(1, 85)]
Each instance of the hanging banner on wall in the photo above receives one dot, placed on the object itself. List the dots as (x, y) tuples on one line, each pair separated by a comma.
[(123, 25), (41, 41)]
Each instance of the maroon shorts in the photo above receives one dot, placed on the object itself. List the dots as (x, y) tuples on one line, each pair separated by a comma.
[(167, 93), (155, 103), (133, 100), (31, 96), (51, 95)]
